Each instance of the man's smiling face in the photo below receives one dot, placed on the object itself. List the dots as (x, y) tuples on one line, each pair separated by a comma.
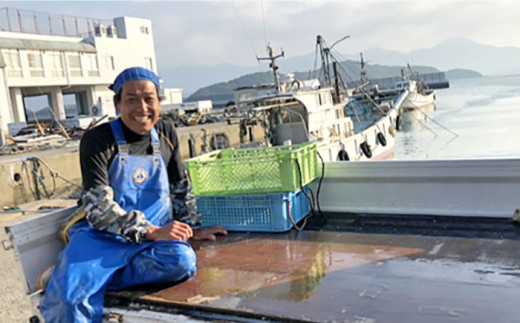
[(139, 106)]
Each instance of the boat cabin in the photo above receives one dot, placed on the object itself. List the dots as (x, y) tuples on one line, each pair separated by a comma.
[(298, 112), (406, 85)]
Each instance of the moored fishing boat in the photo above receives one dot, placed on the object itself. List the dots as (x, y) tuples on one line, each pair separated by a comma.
[(295, 111), (420, 101)]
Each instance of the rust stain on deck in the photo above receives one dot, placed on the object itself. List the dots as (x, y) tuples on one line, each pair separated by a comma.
[(331, 276)]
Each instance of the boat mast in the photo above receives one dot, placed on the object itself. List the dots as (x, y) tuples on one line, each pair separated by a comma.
[(363, 74), (273, 65), (326, 58)]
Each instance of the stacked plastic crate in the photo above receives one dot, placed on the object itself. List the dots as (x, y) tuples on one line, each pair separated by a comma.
[(254, 189)]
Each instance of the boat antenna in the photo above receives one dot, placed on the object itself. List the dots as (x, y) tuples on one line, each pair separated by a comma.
[(273, 65), (363, 73)]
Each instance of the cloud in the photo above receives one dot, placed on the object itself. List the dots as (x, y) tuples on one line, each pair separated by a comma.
[(227, 32)]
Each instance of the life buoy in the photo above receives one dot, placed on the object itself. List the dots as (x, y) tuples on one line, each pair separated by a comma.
[(381, 138), (95, 110), (365, 148), (343, 155), (398, 122)]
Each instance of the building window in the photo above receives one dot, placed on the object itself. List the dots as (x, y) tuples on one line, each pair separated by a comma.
[(13, 64), (109, 60), (56, 64), (35, 64), (148, 63), (92, 65), (74, 64), (144, 30)]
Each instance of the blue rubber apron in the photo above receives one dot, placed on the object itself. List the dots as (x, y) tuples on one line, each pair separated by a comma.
[(94, 261)]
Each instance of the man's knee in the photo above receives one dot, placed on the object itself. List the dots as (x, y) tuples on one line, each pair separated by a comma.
[(178, 257)]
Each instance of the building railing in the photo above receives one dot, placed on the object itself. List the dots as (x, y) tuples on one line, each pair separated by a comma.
[(44, 23)]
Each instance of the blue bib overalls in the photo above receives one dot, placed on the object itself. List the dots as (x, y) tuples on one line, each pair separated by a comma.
[(95, 261)]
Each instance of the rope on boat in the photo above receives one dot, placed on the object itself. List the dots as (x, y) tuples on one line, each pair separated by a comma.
[(423, 124), (434, 121)]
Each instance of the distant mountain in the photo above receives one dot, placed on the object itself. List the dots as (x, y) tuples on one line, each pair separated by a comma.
[(191, 78), (466, 54), (459, 73), (222, 92), (456, 53)]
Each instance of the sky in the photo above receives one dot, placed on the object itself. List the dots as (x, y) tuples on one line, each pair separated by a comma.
[(235, 32)]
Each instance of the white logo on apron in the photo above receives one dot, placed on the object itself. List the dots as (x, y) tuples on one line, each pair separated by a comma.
[(140, 176)]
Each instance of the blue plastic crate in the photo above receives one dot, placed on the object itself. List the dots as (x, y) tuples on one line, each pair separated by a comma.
[(254, 212)]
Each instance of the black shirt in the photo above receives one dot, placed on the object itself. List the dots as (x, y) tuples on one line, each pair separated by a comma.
[(98, 148)]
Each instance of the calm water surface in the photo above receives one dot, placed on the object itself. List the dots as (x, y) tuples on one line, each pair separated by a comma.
[(474, 118)]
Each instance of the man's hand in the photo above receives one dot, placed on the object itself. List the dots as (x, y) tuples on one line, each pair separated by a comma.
[(209, 233), (172, 231)]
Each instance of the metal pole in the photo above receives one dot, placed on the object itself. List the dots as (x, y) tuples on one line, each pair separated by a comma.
[(64, 26), (50, 25), (20, 21), (88, 27), (36, 29), (8, 19)]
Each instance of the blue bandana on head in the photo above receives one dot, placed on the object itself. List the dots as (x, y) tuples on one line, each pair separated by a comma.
[(133, 74)]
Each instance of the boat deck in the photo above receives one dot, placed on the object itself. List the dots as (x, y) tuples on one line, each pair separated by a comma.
[(342, 276)]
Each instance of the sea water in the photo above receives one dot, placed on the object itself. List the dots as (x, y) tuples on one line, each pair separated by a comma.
[(473, 118)]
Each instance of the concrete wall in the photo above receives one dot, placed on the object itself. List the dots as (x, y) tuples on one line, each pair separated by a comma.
[(17, 185), (201, 135)]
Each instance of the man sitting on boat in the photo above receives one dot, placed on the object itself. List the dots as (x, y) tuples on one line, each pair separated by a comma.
[(134, 198)]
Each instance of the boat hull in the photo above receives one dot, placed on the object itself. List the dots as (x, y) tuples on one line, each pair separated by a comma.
[(416, 101), (379, 138)]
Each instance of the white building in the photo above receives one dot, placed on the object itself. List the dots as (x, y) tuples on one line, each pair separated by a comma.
[(70, 73)]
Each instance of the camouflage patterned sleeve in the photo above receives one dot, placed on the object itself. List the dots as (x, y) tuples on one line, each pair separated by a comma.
[(184, 203), (104, 214)]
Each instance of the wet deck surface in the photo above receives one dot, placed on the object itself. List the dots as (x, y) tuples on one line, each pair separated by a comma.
[(355, 277)]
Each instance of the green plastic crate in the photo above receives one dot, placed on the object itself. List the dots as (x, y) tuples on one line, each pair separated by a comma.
[(253, 170)]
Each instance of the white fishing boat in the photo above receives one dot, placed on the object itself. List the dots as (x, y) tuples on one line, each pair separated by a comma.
[(297, 111), (420, 101)]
